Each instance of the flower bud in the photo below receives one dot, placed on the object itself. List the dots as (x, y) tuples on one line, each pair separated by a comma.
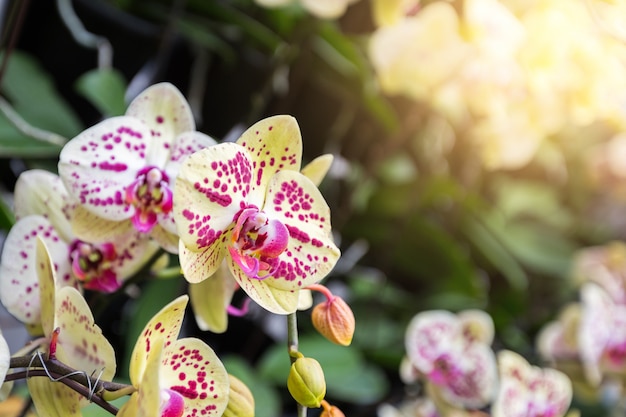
[(332, 411), (334, 320), (240, 400), (306, 382)]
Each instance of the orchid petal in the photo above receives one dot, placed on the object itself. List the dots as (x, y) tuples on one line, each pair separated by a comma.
[(19, 290), (131, 407), (273, 299), (186, 144), (528, 391), (90, 227), (198, 266), (476, 386), (274, 144), (191, 368), (43, 193), (326, 9), (164, 325), (133, 251), (80, 343), (212, 186), (98, 165), (168, 241), (311, 254), (477, 326), (595, 329), (305, 299), (46, 281), (428, 335), (210, 299), (5, 359), (166, 114), (53, 399), (317, 169)]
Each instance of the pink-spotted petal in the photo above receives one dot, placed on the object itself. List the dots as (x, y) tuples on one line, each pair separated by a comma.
[(476, 384), (213, 185), (317, 169), (53, 399), (43, 193), (90, 227), (595, 329), (133, 251), (146, 401), (210, 299), (165, 325), (198, 266), (275, 144), (186, 144), (428, 336), (191, 368), (80, 343), (19, 287), (272, 299), (46, 281), (166, 114), (98, 165), (476, 326), (311, 254)]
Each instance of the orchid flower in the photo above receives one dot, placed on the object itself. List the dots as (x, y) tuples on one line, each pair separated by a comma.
[(604, 265), (71, 337), (211, 298), (43, 209), (528, 391), (174, 377), (452, 352), (122, 170), (601, 334), (246, 203)]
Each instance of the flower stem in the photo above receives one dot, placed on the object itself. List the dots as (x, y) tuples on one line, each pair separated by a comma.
[(292, 346), (89, 387)]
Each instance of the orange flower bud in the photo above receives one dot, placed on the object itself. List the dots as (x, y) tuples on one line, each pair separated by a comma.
[(306, 382), (332, 411), (334, 320)]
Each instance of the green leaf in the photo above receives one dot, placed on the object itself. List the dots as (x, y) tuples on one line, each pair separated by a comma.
[(7, 218), (105, 89), (266, 399), (33, 95)]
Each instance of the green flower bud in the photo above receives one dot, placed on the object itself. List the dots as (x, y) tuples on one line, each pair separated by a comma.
[(240, 400), (306, 382)]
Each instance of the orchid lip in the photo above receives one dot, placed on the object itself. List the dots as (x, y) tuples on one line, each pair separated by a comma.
[(257, 242), (93, 265), (151, 195)]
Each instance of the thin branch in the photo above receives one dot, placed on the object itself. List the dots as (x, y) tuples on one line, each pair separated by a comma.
[(27, 129), (58, 368), (84, 37), (292, 346)]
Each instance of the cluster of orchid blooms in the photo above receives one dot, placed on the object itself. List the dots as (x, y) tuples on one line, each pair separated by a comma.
[(130, 190), (450, 356)]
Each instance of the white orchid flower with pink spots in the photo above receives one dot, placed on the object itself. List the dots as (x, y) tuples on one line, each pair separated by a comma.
[(247, 203), (452, 352), (122, 170), (44, 209), (211, 299), (70, 336), (529, 391), (174, 377)]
